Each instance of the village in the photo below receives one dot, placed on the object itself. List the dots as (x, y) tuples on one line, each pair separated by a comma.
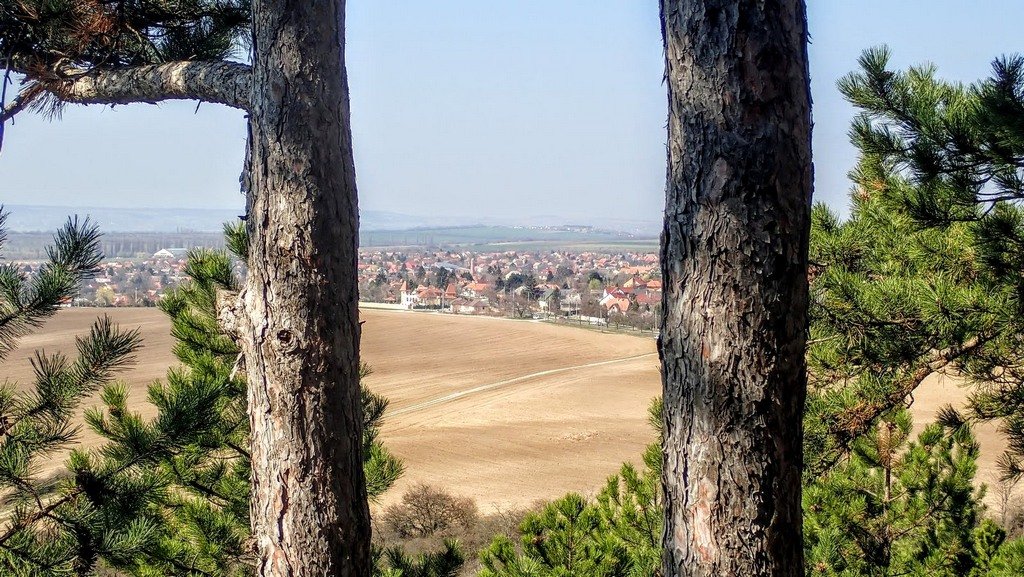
[(592, 287), (600, 288)]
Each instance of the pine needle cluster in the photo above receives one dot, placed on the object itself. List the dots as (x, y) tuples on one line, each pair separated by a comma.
[(921, 280), (53, 525), (53, 37), (898, 507), (938, 284)]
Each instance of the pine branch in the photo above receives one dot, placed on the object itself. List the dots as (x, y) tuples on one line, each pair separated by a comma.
[(854, 422), (218, 82), (159, 447), (106, 350), (25, 303), (238, 450)]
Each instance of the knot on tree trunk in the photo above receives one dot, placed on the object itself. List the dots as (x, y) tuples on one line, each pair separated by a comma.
[(229, 312)]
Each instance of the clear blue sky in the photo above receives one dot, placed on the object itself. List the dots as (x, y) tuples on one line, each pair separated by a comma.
[(525, 108)]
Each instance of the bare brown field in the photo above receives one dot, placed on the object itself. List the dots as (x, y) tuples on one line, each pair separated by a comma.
[(507, 412), (936, 392), (469, 410), (58, 336)]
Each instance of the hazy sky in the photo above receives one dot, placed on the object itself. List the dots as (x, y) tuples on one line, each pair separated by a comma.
[(472, 107)]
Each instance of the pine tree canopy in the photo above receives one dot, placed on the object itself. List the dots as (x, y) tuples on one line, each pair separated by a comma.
[(961, 146), (900, 508), (26, 301), (55, 35), (42, 521), (120, 51), (927, 274), (163, 496)]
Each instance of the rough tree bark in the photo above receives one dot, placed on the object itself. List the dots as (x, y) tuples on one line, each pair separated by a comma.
[(734, 257), (297, 316), (214, 81), (300, 329)]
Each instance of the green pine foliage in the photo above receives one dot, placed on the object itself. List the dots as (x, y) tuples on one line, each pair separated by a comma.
[(898, 507), (988, 539), (618, 534), (566, 538), (891, 305), (922, 278), (163, 496), (950, 159), (26, 301), (395, 562), (1009, 561), (59, 525), (202, 409), (85, 33)]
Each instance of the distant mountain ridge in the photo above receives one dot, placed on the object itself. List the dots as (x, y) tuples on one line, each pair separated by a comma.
[(34, 218)]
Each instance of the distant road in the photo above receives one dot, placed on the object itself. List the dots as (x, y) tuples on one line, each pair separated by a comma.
[(486, 387), (381, 306)]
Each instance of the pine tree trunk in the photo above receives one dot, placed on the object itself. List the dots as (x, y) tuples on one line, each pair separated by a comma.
[(734, 259), (300, 329)]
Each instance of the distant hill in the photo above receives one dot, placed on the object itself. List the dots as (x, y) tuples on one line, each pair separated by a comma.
[(492, 236), (29, 218), (23, 218)]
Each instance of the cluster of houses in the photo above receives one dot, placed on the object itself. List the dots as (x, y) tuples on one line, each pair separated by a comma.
[(128, 282), (135, 282), (637, 293), (528, 283), (471, 298), (548, 283)]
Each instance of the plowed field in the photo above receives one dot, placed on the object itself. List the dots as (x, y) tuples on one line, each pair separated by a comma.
[(508, 412)]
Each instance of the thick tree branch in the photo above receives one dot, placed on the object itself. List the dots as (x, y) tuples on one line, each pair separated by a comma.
[(858, 420), (218, 82), (8, 111)]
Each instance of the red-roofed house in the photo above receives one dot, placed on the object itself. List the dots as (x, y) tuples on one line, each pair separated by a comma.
[(476, 289), (616, 305), (429, 296)]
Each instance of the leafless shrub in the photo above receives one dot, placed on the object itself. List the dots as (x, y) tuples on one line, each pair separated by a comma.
[(1009, 508), (426, 511)]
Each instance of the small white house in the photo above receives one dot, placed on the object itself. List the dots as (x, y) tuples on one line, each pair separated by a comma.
[(408, 298), (171, 253)]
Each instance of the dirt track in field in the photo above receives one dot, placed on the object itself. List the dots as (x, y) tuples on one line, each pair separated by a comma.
[(507, 412)]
